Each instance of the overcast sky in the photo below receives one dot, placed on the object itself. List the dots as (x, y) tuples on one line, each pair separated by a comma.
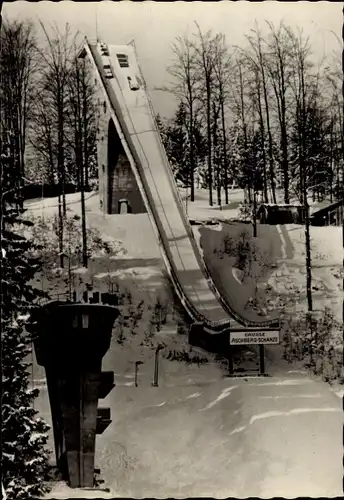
[(155, 25)]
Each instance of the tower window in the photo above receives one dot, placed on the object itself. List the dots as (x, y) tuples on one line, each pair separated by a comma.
[(123, 60)]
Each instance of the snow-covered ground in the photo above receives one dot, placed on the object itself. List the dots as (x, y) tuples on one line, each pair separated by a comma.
[(263, 437), (199, 210), (140, 258), (327, 264), (284, 246)]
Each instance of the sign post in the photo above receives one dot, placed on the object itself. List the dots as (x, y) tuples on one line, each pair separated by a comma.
[(252, 337), (261, 359), (230, 361)]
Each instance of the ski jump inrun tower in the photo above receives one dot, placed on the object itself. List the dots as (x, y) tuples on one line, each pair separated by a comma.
[(135, 176)]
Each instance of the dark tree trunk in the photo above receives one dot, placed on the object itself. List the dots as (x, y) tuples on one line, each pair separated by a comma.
[(284, 135), (284, 147), (225, 165), (83, 220), (60, 230), (216, 162), (191, 166), (331, 165), (271, 160), (262, 141), (308, 255), (210, 173), (85, 133)]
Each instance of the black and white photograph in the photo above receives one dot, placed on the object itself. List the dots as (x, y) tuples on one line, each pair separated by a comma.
[(172, 233)]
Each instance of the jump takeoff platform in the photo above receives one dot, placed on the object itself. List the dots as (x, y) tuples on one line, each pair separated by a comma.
[(70, 340)]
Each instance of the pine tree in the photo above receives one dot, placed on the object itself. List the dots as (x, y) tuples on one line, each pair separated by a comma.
[(24, 457), (180, 146)]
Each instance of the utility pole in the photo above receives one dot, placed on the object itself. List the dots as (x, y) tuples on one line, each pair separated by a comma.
[(83, 217)]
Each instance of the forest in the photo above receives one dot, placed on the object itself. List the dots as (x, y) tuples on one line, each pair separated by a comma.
[(266, 116)]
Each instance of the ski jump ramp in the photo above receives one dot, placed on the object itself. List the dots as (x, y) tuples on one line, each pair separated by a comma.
[(120, 78)]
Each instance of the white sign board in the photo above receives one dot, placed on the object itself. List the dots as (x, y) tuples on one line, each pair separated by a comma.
[(247, 337)]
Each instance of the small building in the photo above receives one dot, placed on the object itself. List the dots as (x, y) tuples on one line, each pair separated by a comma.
[(269, 213), (331, 215)]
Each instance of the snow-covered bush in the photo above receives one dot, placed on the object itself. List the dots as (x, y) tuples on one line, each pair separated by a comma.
[(93, 184), (249, 258), (245, 212), (316, 339), (187, 357), (45, 232)]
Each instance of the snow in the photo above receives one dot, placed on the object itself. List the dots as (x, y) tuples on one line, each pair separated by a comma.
[(3, 493), (224, 394), (237, 429), (303, 372), (159, 405), (236, 273), (62, 491), (160, 443), (283, 249), (339, 391), (294, 411), (285, 382), (194, 395), (79, 270), (50, 204), (166, 441), (199, 210), (36, 436), (327, 264), (317, 395)]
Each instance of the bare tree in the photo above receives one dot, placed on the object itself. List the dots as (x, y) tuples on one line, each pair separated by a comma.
[(184, 86), (42, 137), (334, 80), (56, 58), (216, 156), (81, 122), (279, 66), (205, 47), (54, 73), (256, 43), (304, 91), (241, 108), (18, 62), (222, 69), (255, 94)]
